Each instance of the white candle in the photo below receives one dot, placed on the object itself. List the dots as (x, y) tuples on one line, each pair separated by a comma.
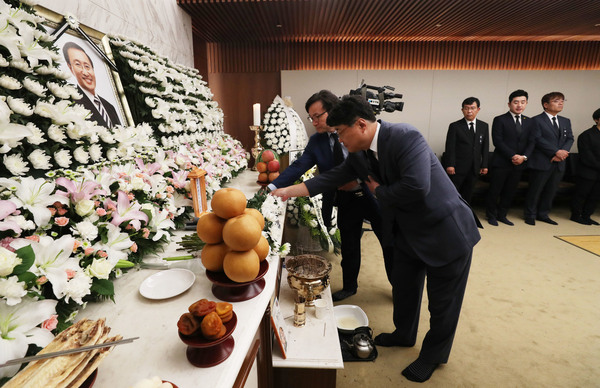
[(256, 108)]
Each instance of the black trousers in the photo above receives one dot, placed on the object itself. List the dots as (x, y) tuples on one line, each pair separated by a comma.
[(585, 198), (541, 192), (353, 208), (503, 186), (445, 291), (464, 183)]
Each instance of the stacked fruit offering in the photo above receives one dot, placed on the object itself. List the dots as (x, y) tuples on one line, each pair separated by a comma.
[(267, 166), (233, 236)]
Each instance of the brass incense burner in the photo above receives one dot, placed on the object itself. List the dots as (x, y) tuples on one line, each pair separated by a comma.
[(308, 275)]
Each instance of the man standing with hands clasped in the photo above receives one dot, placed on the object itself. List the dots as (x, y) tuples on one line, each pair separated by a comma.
[(467, 149), (513, 135), (547, 163), (431, 227)]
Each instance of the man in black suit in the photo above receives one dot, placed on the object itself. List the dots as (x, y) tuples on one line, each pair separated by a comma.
[(587, 184), (432, 228), (546, 165), (82, 67), (467, 148), (513, 135), (354, 205)]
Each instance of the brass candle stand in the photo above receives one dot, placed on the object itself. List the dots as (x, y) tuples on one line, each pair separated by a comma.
[(257, 147)]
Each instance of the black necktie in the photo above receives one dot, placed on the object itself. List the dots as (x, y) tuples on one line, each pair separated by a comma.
[(555, 125), (338, 153), (518, 123), (373, 164), (472, 129)]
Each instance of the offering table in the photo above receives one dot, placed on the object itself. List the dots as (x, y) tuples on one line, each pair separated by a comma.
[(159, 351)]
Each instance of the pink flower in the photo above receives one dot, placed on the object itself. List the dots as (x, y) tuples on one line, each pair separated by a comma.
[(50, 323), (101, 212), (170, 189), (76, 245), (52, 210), (70, 273), (35, 238), (88, 251), (41, 280), (131, 196), (145, 232), (102, 254), (61, 221), (61, 211), (133, 247)]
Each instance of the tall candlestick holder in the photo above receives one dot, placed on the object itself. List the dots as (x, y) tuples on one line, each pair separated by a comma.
[(257, 147)]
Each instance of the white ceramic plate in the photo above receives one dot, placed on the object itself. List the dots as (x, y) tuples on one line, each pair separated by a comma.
[(168, 283), (348, 317)]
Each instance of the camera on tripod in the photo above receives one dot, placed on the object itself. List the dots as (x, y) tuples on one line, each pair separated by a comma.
[(379, 101)]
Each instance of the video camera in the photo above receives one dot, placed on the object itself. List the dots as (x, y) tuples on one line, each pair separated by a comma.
[(379, 102)]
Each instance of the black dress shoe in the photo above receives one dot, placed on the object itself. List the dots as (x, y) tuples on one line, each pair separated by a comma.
[(581, 220), (342, 294), (547, 220), (505, 220), (492, 221), (390, 339), (591, 222), (530, 221)]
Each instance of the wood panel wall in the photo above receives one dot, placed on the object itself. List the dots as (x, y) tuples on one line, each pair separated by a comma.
[(243, 73)]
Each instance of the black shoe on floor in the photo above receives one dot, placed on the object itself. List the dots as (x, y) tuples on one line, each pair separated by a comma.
[(492, 221), (390, 339), (581, 220), (591, 222), (505, 220), (547, 220), (419, 371), (342, 294), (530, 221)]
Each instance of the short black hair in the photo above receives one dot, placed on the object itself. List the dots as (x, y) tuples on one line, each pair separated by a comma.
[(327, 98), (470, 101), (596, 114), (73, 45), (551, 96), (350, 109), (518, 93)]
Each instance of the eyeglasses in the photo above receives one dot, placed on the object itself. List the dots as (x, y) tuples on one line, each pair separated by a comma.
[(315, 117), (558, 101), (470, 108)]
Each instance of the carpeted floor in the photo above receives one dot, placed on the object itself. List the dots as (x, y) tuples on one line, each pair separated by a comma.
[(531, 315)]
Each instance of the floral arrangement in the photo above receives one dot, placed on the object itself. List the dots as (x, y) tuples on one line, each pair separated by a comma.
[(306, 212), (80, 203), (283, 129)]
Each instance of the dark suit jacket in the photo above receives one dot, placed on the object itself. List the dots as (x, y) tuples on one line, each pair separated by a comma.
[(463, 151), (89, 105), (417, 199), (548, 141), (317, 152), (507, 142), (588, 145)]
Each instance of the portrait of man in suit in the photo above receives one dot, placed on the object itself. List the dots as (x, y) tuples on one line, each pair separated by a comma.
[(467, 149), (431, 228), (82, 67)]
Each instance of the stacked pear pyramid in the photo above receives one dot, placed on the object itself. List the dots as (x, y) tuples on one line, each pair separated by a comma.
[(233, 236)]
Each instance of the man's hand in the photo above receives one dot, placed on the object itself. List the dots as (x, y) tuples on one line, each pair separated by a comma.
[(348, 186), (450, 170), (483, 171), (285, 193), (518, 159), (562, 154), (371, 184)]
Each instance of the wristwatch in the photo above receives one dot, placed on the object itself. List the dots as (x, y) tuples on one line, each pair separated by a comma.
[(524, 158)]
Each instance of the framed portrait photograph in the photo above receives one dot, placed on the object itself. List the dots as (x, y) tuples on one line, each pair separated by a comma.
[(85, 54)]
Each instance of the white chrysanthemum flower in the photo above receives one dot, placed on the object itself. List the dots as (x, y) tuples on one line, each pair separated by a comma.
[(19, 106), (63, 158), (21, 64), (87, 230), (34, 87), (45, 70), (12, 290), (81, 155), (37, 136), (57, 134), (3, 62), (95, 152), (73, 91), (39, 160), (78, 287), (58, 90), (8, 82), (15, 164)]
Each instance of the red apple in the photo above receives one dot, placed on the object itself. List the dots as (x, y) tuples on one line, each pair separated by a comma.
[(273, 166), (273, 176), (261, 167), (263, 177), (267, 156)]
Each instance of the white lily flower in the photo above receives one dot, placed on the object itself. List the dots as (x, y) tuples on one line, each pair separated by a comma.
[(18, 329), (160, 223), (116, 246), (35, 195)]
